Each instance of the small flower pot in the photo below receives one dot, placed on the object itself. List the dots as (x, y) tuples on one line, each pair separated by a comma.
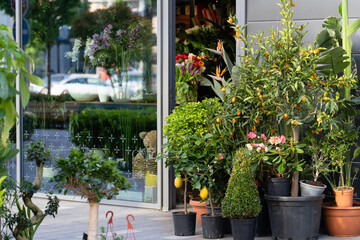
[(184, 224), (212, 226), (243, 229), (198, 207), (226, 221), (310, 189), (344, 196), (278, 187)]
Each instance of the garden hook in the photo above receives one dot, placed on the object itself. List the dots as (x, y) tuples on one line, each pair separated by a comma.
[(110, 225), (130, 227)]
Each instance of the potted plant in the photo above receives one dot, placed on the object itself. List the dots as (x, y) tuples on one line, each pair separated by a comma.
[(242, 203), (342, 216), (317, 147), (186, 120), (279, 155), (92, 178)]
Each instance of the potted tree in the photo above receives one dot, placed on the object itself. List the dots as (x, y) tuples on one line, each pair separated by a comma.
[(91, 178), (342, 216), (242, 203), (186, 120)]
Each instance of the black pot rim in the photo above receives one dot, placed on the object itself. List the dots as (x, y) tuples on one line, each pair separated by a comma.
[(182, 213), (294, 199), (205, 215)]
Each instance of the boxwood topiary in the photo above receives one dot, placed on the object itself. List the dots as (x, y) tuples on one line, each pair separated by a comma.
[(242, 198)]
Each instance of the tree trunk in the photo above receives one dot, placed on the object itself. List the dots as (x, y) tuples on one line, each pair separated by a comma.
[(93, 219), (185, 193), (48, 49), (295, 176)]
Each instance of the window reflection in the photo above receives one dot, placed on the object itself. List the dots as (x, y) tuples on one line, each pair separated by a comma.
[(108, 108)]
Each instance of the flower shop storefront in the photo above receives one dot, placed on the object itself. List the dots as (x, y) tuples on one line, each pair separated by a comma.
[(110, 73)]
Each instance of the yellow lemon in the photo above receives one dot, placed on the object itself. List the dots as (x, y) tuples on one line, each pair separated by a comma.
[(204, 193), (178, 182)]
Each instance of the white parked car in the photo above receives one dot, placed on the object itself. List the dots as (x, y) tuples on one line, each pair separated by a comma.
[(55, 78)]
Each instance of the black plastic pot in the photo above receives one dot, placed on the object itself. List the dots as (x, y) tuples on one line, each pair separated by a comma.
[(243, 229), (184, 224), (226, 221), (295, 218), (278, 186), (212, 226), (262, 226)]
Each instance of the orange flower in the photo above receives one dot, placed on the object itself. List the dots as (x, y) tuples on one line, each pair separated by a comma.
[(230, 20), (234, 120), (201, 63), (220, 73), (219, 46)]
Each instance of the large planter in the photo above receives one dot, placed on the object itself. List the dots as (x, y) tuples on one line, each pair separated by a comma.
[(311, 190), (278, 186), (184, 224), (226, 221), (243, 229), (344, 196), (212, 226), (295, 218), (198, 207), (340, 221)]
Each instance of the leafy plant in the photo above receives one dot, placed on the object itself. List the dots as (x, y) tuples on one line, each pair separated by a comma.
[(278, 153), (186, 120), (2, 191), (92, 178), (24, 223), (115, 237), (242, 198)]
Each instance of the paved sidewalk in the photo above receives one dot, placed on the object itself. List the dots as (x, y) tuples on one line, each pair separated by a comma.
[(72, 218)]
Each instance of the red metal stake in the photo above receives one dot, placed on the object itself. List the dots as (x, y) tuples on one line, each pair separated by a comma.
[(110, 225), (130, 228)]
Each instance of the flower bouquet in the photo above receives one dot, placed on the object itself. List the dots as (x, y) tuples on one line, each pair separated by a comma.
[(188, 68)]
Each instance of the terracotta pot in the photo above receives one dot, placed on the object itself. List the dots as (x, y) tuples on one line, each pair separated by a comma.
[(342, 222), (344, 196), (199, 208)]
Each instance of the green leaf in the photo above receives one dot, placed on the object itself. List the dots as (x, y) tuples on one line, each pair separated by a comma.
[(298, 150), (356, 153), (332, 61), (25, 94), (340, 9), (34, 79), (353, 27), (4, 87)]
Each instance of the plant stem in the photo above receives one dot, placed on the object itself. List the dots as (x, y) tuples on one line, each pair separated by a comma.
[(211, 203), (346, 42), (185, 192), (295, 176)]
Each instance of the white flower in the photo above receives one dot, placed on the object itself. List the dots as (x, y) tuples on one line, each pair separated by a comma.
[(74, 54), (249, 146)]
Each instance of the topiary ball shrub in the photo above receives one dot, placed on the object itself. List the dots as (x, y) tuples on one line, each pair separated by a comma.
[(242, 198)]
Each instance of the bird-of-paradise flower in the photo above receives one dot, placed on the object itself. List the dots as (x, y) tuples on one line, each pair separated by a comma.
[(219, 73), (219, 45)]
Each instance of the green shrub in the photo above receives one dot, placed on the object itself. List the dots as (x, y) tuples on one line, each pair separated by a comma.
[(242, 198), (113, 130)]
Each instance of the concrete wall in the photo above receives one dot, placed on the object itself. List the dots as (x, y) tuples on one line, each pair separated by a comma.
[(264, 14)]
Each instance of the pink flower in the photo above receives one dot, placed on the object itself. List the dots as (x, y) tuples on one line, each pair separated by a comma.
[(249, 146), (266, 149), (251, 135), (258, 149), (262, 146), (283, 139), (263, 136), (278, 149)]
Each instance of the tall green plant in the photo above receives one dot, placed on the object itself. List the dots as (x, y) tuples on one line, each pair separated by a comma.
[(347, 31), (242, 199)]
